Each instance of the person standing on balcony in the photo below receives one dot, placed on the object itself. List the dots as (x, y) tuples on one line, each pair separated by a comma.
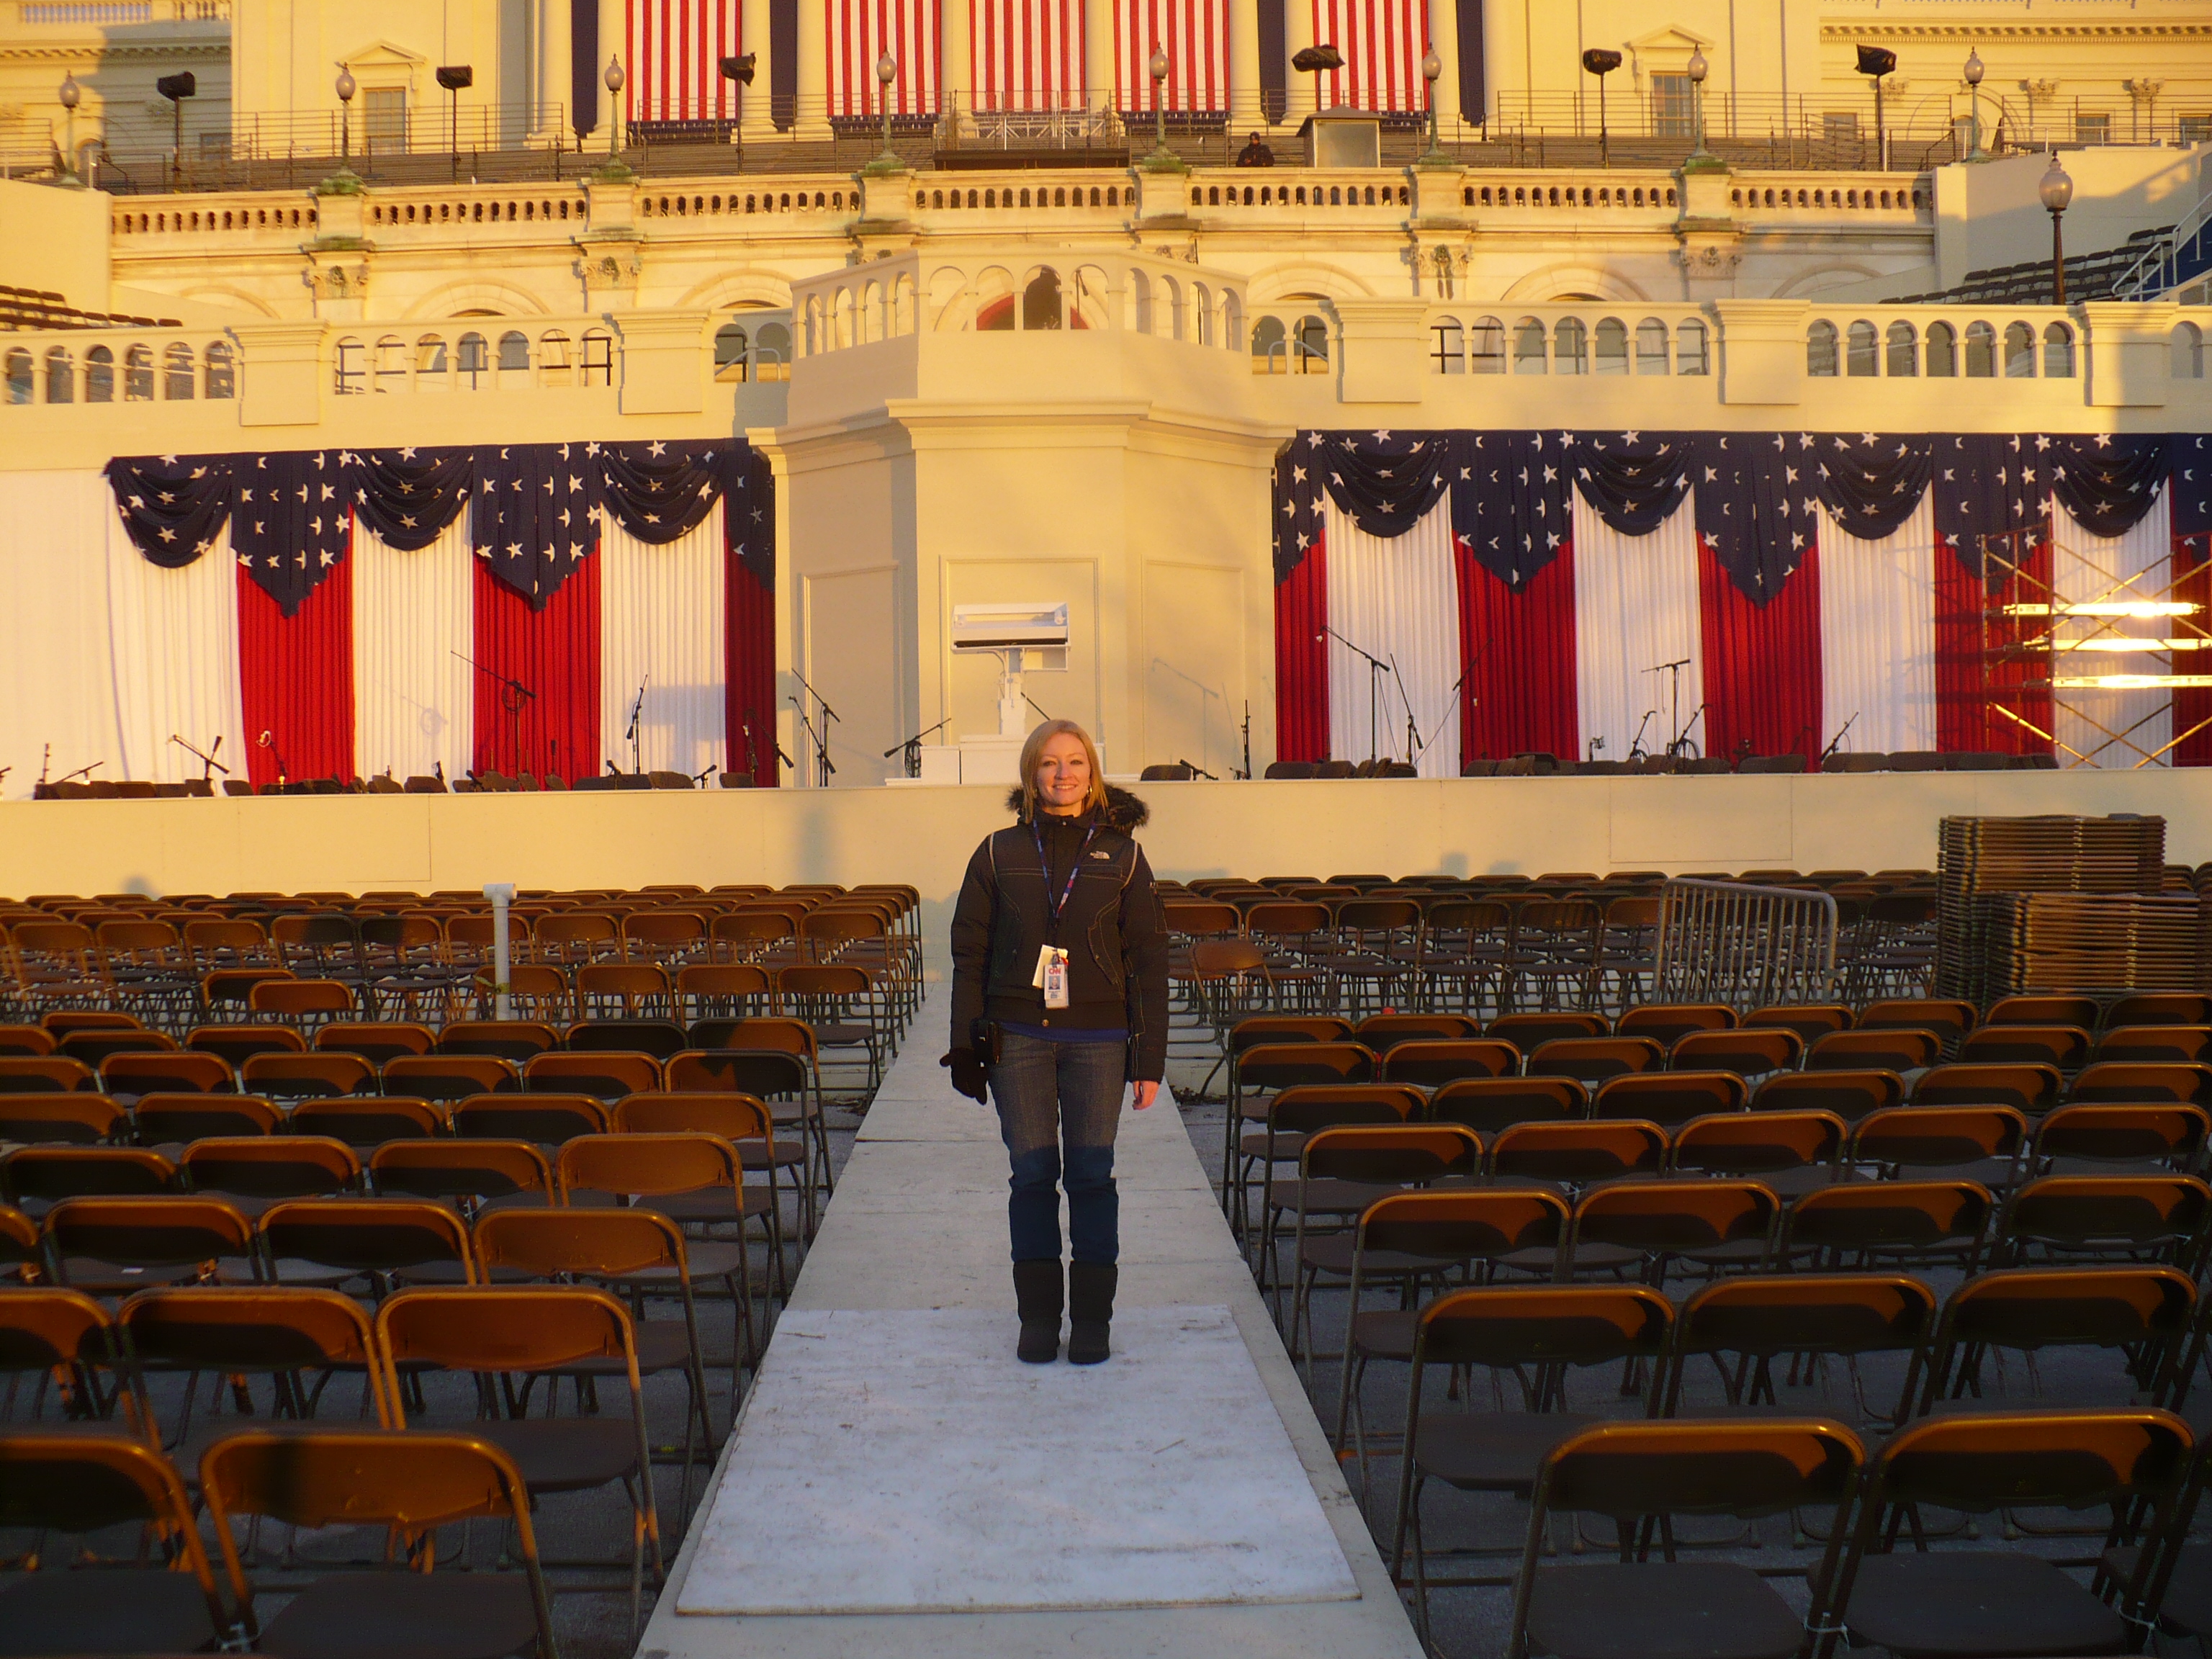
[(1060, 1009), (1255, 154)]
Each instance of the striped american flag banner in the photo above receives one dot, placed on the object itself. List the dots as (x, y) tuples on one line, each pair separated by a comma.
[(1027, 54), (1382, 41), (673, 54), (861, 31), (1195, 33)]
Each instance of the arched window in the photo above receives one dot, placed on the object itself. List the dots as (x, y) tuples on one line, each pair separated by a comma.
[(100, 375), (1201, 306), (139, 374), (840, 319), (1692, 356), (61, 376), (20, 377), (1140, 302), (2058, 352), (1485, 347), (598, 365), (1172, 315), (352, 372), (871, 317), (1651, 345), (514, 360), (1570, 347), (391, 364), (1528, 347), (1981, 352), (771, 352), (1041, 301), (1450, 351), (2018, 352), (177, 373), (1610, 347), (1942, 351), (432, 370), (1312, 337), (1232, 317), (472, 362), (221, 371), (555, 366), (731, 348), (1901, 358), (1820, 349), (2188, 352), (1860, 357), (1271, 353)]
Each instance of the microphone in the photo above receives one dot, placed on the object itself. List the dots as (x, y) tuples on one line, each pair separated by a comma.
[(614, 770)]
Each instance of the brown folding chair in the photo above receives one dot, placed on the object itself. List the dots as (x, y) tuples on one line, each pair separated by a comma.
[(1294, 1113), (1850, 1095), (375, 1041), (607, 1076), (2103, 1139), (32, 1177), (546, 1119), (254, 1173), (748, 1125), (166, 1120), (2040, 1010), (1577, 1154), (1643, 1476), (114, 1246), (25, 1042), (309, 1076), (1282, 1062), (450, 1077), (1743, 1325), (380, 1239), (239, 1043), (2142, 1315), (129, 1076), (368, 1121), (1983, 1144), (1811, 1020), (772, 1060), (516, 1040), (1489, 1105), (34, 1074), (1430, 1063), (1891, 1048), (79, 1484), (2188, 1045), (1867, 1223), (1527, 1031), (1717, 1223), (722, 990), (19, 1255), (533, 1332), (1670, 1098), (412, 1484), (471, 1173), (1537, 1337), (2159, 1008), (1949, 1019), (63, 1340), (304, 1004), (2125, 1081), (2063, 1047), (252, 1330), (1793, 1152), (1593, 1059), (2072, 1218), (2029, 1088), (1670, 1022), (1747, 1050), (78, 1120)]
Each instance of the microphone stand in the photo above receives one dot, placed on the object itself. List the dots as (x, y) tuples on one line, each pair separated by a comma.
[(1376, 669), (1247, 773), (913, 747), (1674, 714), (512, 693), (1838, 740), (1198, 771), (208, 764), (1685, 743), (1636, 743), (637, 712), (1444, 719), (822, 740), (1413, 726)]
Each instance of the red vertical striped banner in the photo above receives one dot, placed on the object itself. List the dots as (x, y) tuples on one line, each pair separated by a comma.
[(1195, 35), (749, 682), (1966, 703), (295, 680), (861, 31), (1302, 658), (1761, 663), (674, 56), (553, 654), (1518, 696), (1383, 42), (1027, 54)]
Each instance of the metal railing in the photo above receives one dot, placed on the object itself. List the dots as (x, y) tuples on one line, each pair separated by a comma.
[(1746, 946), (2159, 266)]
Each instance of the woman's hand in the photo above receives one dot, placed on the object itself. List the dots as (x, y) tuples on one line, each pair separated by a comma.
[(1146, 1093)]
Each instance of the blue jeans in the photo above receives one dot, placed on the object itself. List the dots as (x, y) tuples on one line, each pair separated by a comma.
[(1058, 1105)]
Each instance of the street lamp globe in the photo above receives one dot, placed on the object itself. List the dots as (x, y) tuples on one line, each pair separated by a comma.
[(886, 68), (614, 78), (1698, 68), (2055, 188), (345, 85), (1974, 67), (72, 95)]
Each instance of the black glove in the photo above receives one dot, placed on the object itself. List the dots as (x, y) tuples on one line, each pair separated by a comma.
[(967, 1074)]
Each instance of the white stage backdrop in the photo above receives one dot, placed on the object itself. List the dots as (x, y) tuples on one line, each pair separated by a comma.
[(1878, 634), (57, 672), (1635, 605), (2116, 728), (1399, 599), (414, 696), (173, 640), (661, 621)]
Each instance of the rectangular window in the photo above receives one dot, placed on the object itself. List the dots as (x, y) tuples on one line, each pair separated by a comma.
[(1840, 127), (1672, 106), (384, 118), (2091, 129), (2195, 129)]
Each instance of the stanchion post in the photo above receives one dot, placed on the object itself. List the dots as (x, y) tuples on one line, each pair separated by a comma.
[(501, 894)]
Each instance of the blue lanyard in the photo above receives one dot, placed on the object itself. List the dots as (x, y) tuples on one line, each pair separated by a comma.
[(1075, 869)]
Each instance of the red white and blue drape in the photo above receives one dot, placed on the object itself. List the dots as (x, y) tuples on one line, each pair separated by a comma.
[(1383, 42), (674, 56), (491, 609), (1027, 54), (858, 33), (1759, 592), (1194, 34)]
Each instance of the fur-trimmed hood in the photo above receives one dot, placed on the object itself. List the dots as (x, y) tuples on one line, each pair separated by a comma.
[(1124, 811)]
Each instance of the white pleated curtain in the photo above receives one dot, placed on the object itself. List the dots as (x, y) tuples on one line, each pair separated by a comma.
[(57, 679), (172, 637), (1878, 635), (661, 624), (1396, 598), (413, 627), (1636, 608), (2115, 729)]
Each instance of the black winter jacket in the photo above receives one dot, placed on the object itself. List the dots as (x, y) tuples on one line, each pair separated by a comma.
[(1110, 928)]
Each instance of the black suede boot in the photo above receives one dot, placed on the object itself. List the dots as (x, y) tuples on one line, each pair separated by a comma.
[(1037, 1294), (1090, 1311)]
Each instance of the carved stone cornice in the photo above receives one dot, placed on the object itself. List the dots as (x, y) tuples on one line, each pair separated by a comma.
[(1975, 31)]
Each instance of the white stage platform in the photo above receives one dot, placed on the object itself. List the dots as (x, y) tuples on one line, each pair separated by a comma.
[(900, 1485)]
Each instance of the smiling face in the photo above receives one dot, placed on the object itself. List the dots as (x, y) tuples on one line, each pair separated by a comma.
[(1063, 775)]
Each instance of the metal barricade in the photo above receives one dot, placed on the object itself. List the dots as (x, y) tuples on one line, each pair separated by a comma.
[(1747, 946)]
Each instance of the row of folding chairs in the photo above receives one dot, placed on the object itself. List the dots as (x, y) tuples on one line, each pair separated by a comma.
[(248, 1150)]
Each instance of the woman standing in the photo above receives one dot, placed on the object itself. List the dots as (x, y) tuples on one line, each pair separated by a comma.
[(1059, 1002)]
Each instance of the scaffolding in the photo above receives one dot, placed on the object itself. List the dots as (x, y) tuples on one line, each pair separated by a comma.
[(2060, 625)]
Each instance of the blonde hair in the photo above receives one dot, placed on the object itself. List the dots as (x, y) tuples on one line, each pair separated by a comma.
[(1033, 753)]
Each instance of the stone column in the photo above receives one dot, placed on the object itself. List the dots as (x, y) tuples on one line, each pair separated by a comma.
[(1244, 69), (1443, 35), (1297, 35), (614, 40), (1098, 64), (812, 84), (956, 68), (549, 121)]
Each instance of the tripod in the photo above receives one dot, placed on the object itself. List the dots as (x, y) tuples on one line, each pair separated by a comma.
[(1376, 668), (819, 738), (1674, 671), (913, 747)]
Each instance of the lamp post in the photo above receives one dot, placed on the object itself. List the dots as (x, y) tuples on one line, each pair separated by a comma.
[(1973, 73), (887, 72), (176, 88), (1432, 69), (1698, 69), (1601, 61), (2057, 190), (345, 89), (1159, 66), (453, 77), (71, 96), (614, 78), (1877, 61)]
